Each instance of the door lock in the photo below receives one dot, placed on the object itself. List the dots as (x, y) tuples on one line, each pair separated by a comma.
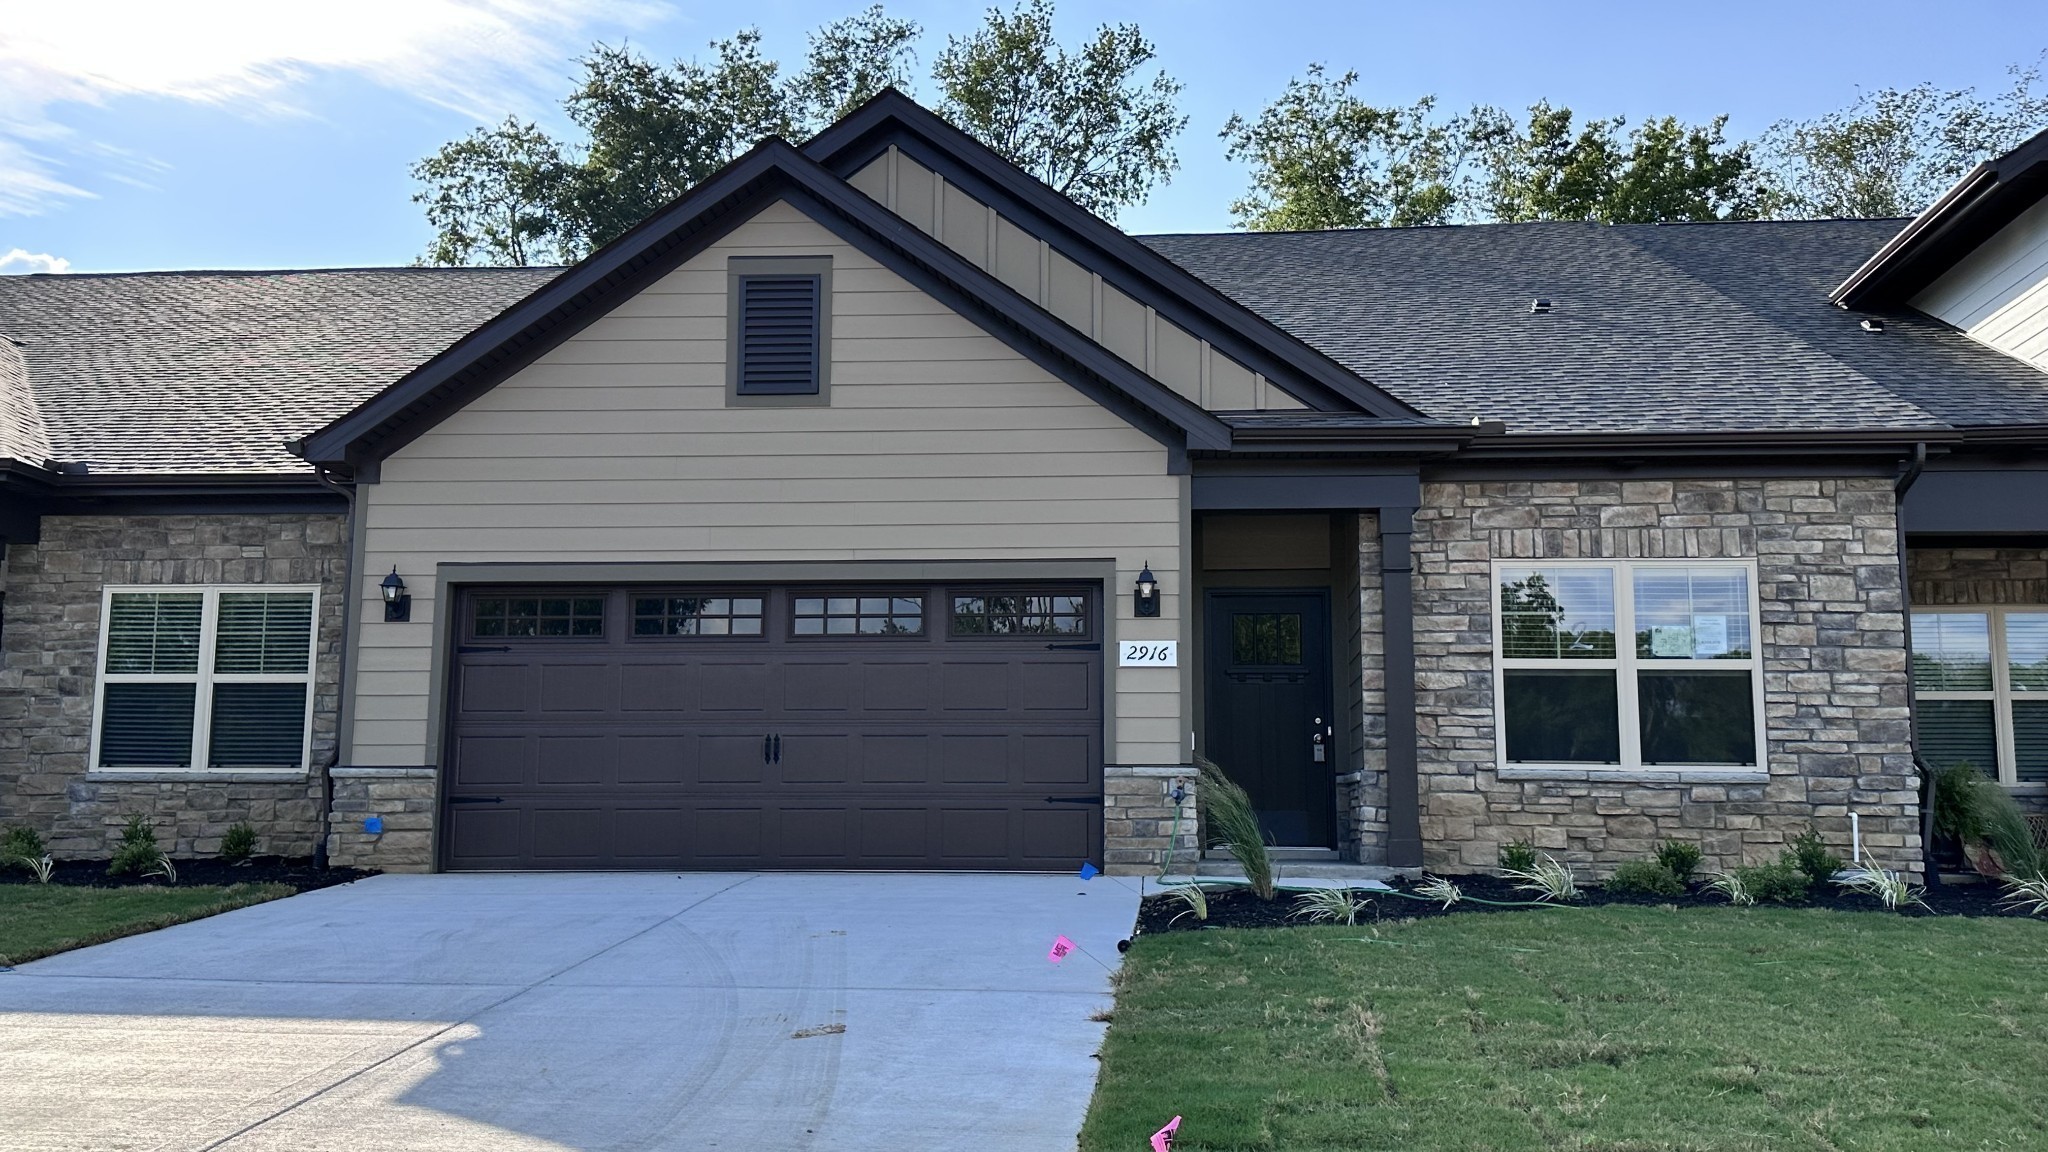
[(1319, 746)]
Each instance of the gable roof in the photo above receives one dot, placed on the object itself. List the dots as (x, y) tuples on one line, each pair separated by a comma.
[(187, 373), (1986, 199), (892, 118), (772, 171), (1653, 329)]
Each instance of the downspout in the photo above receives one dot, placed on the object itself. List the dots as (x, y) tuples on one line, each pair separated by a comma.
[(1907, 475), (348, 612)]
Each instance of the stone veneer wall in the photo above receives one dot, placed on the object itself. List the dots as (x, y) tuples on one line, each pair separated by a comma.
[(1835, 701), (49, 656), (1363, 787), (405, 799), (1138, 819)]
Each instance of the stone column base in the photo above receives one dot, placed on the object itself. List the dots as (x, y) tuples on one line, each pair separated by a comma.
[(403, 798), (1138, 813)]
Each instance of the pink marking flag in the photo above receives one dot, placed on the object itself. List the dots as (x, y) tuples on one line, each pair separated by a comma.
[(1162, 1140), (1060, 947)]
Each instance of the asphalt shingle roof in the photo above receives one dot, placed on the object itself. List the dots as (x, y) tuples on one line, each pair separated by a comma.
[(210, 372), (1653, 328)]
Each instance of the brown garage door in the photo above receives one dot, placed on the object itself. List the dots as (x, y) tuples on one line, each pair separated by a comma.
[(928, 726)]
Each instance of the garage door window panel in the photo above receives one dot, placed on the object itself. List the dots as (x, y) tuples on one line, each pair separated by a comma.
[(698, 615), (1020, 614), (537, 617), (209, 678), (857, 614)]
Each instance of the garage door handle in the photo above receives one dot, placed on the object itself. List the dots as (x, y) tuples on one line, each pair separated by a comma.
[(1073, 647), (1073, 799), (476, 799)]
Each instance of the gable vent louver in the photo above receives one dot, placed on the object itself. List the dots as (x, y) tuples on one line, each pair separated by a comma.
[(778, 335)]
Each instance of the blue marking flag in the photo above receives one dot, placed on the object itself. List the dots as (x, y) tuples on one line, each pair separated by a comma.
[(1089, 871)]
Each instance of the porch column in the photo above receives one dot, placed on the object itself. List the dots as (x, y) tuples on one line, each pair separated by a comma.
[(1404, 813)]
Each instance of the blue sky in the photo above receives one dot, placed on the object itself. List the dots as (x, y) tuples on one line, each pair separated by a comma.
[(252, 134)]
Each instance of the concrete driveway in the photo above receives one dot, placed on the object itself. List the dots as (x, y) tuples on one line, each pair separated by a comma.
[(527, 1012)]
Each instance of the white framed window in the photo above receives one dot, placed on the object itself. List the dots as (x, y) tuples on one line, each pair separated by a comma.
[(1980, 690), (1627, 664), (205, 677)]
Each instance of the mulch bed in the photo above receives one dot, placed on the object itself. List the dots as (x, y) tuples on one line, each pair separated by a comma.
[(1237, 907), (299, 873)]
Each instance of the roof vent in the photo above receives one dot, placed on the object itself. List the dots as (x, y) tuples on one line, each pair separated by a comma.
[(1873, 324), (1540, 305)]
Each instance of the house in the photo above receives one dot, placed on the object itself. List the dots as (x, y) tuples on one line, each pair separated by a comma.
[(872, 506)]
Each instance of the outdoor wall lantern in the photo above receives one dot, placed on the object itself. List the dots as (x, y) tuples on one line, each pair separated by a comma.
[(397, 605), (1146, 600)]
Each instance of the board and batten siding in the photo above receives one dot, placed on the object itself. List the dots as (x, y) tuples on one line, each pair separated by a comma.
[(1047, 277), (1998, 294), (941, 443)]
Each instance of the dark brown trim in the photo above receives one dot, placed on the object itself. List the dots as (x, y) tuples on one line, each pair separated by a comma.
[(1254, 492), (1986, 199), (1397, 646), (1970, 502)]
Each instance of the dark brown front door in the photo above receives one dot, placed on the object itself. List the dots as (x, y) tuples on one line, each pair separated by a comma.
[(1267, 696), (913, 727)]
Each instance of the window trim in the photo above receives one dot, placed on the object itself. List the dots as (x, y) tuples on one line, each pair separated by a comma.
[(2000, 695), (738, 268), (204, 678), (1626, 665)]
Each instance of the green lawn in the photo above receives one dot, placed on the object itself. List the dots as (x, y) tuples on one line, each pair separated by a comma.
[(1594, 1030), (38, 920)]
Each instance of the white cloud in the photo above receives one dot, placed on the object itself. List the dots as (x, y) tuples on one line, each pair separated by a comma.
[(478, 57), (18, 261)]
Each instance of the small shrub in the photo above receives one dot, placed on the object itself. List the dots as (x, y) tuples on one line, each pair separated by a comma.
[(162, 867), (2029, 892), (1547, 880), (1781, 883), (43, 866), (1517, 857), (1682, 859), (1438, 888), (1197, 902), (21, 847), (137, 852), (239, 843), (1730, 884), (1809, 853), (1327, 906), (1984, 818), (1889, 888), (1647, 877)]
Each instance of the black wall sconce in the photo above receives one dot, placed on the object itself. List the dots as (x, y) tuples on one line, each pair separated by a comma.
[(397, 605), (1145, 601)]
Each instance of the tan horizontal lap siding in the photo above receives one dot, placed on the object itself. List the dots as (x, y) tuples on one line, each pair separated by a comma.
[(940, 443)]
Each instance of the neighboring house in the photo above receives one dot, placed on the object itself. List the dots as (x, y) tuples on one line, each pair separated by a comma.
[(809, 525)]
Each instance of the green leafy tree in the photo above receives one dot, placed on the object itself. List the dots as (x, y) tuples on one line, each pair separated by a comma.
[(1086, 123), (515, 195), (1321, 157), (851, 61), (1895, 150), (1544, 169), (493, 197)]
